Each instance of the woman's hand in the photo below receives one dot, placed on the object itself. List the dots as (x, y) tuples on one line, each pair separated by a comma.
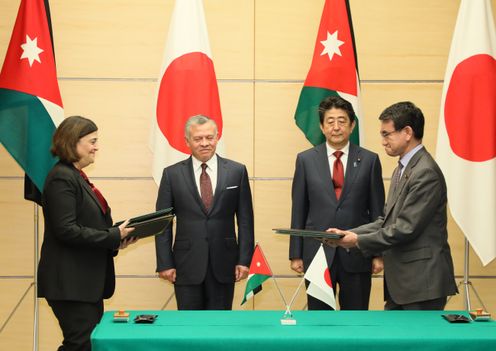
[(125, 231), (128, 241), (125, 241)]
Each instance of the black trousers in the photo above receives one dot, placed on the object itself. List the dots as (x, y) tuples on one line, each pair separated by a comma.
[(77, 320), (354, 289), (209, 295)]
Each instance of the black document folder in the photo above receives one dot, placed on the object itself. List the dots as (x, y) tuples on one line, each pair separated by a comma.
[(308, 233), (149, 224)]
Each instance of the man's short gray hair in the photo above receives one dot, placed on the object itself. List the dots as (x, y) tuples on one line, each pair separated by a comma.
[(199, 120)]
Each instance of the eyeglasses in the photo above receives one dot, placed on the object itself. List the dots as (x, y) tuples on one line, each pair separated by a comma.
[(386, 135)]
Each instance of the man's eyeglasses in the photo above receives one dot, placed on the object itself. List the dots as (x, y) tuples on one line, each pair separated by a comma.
[(386, 135)]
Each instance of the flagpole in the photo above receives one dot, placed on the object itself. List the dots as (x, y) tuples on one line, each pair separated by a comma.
[(35, 280), (297, 291), (288, 312), (280, 292), (467, 284)]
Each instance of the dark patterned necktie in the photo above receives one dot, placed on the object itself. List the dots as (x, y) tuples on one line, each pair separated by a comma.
[(206, 187), (338, 174), (396, 178), (97, 192)]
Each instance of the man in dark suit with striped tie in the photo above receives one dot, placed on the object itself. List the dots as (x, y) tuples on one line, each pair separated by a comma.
[(208, 193)]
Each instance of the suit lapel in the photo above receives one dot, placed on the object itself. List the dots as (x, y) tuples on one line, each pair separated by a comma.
[(222, 172), (189, 179), (352, 167), (393, 197), (88, 190), (322, 166)]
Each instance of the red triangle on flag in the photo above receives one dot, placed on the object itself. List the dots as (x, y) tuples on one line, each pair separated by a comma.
[(258, 263), (29, 65), (334, 54)]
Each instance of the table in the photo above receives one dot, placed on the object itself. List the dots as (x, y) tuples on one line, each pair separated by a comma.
[(315, 331)]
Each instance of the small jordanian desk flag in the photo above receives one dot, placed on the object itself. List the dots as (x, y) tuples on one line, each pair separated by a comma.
[(259, 272), (333, 72), (30, 102)]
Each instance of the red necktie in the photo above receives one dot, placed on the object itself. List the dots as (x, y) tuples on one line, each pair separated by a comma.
[(97, 192), (206, 187), (338, 174)]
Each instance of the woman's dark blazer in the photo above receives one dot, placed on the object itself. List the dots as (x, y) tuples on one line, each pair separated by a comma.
[(76, 260)]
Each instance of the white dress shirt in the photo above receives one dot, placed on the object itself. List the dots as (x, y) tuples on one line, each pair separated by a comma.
[(332, 158)]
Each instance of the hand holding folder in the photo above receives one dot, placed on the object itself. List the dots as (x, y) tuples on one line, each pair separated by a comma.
[(125, 232), (149, 224)]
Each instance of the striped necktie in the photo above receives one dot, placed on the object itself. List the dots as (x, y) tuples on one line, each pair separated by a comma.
[(206, 187)]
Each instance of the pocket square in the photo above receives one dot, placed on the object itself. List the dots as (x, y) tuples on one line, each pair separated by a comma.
[(231, 187)]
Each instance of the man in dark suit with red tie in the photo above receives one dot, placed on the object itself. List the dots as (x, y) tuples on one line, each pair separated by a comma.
[(337, 184), (208, 193)]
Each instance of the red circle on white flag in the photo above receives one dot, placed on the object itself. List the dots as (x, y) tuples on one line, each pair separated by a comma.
[(327, 277), (188, 88), (470, 109)]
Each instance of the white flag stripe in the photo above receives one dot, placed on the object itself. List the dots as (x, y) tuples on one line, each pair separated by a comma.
[(471, 185), (55, 111), (355, 101)]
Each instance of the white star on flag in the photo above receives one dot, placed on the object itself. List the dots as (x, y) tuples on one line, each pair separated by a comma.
[(31, 51), (331, 45)]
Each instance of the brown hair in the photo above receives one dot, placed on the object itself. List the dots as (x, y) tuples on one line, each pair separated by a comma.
[(67, 135)]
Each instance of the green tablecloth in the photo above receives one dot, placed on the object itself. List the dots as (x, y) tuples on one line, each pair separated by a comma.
[(315, 330)]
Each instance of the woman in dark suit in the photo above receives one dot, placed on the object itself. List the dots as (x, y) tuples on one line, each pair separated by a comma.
[(76, 268)]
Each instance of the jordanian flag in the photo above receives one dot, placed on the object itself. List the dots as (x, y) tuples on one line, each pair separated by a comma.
[(333, 72), (30, 102), (187, 86), (259, 272)]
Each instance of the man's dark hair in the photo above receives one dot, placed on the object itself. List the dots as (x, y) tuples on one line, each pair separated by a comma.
[(336, 102), (405, 114), (67, 135)]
